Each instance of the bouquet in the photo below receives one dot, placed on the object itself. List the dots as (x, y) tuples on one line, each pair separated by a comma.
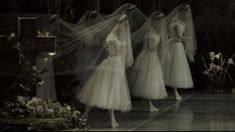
[(217, 71)]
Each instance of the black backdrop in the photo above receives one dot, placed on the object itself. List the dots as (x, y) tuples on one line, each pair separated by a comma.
[(213, 19)]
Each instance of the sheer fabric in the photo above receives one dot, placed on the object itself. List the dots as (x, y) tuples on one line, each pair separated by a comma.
[(182, 42), (147, 78), (70, 37), (89, 18), (90, 35), (107, 87), (183, 14), (135, 17)]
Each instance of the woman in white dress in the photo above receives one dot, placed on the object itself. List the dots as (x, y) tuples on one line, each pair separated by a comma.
[(147, 78), (107, 87), (182, 41)]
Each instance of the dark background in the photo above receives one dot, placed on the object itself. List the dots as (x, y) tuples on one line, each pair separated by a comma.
[(213, 19)]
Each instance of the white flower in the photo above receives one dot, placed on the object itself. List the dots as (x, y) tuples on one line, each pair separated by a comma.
[(205, 72), (12, 34), (217, 56), (211, 66), (212, 53), (45, 59), (34, 68), (217, 68), (40, 83), (68, 107), (230, 61), (47, 34), (50, 111), (39, 33), (51, 53)]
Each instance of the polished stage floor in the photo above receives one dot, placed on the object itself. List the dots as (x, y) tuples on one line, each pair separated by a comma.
[(197, 112)]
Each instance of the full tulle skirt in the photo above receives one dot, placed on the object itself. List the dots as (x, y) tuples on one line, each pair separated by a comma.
[(146, 78), (180, 74), (107, 87)]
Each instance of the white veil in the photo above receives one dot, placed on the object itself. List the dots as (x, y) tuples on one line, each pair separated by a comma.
[(135, 17), (122, 32), (71, 40), (183, 12), (126, 39), (70, 37), (155, 23), (89, 18)]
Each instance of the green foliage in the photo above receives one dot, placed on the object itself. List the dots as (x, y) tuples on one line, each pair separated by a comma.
[(42, 114)]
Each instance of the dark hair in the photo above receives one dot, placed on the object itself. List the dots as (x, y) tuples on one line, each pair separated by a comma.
[(157, 15), (184, 7), (93, 14)]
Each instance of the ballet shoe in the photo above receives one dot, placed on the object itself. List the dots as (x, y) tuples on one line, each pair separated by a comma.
[(114, 124), (178, 98), (153, 108)]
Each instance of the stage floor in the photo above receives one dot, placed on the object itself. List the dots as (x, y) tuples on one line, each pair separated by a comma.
[(196, 112)]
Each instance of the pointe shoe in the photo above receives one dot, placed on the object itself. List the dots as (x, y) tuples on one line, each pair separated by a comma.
[(153, 108), (178, 97), (114, 124)]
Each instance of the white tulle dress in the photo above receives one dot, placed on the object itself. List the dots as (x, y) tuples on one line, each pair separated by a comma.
[(147, 77), (107, 87), (180, 74), (47, 90)]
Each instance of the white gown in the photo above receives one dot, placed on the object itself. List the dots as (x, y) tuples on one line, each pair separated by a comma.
[(107, 87), (47, 90), (147, 74), (180, 74)]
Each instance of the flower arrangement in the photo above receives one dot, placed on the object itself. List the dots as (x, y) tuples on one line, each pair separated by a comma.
[(37, 109), (217, 70)]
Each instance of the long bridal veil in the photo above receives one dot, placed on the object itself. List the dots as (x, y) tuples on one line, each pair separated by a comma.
[(87, 34), (89, 18), (70, 37), (135, 17), (183, 12), (183, 44), (159, 26)]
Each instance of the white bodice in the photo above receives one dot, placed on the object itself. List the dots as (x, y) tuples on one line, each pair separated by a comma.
[(151, 41), (113, 45), (177, 29)]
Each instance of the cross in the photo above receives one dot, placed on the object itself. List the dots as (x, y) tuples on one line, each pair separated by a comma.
[(30, 42)]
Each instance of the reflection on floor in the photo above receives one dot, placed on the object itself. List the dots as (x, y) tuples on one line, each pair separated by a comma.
[(197, 111)]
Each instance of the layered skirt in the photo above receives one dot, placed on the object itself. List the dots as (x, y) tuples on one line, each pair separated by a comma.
[(179, 72), (147, 79), (107, 87)]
